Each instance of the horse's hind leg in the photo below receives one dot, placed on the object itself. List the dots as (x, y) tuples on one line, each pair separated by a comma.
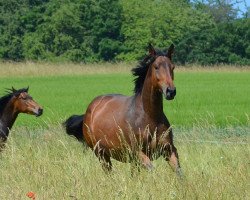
[(104, 159), (106, 163)]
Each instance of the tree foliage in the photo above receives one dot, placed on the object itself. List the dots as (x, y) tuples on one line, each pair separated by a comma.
[(160, 22), (205, 32), (225, 43)]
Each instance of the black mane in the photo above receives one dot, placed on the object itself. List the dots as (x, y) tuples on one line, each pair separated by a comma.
[(140, 71), (10, 93)]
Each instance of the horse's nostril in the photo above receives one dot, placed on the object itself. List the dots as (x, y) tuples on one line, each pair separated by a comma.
[(170, 94), (40, 111), (172, 91)]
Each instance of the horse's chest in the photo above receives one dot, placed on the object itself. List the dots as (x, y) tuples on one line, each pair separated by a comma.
[(139, 120), (3, 132)]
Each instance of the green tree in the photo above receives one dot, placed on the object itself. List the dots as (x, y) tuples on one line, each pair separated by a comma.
[(225, 43), (17, 17), (160, 22), (78, 30), (107, 30), (220, 10), (102, 23)]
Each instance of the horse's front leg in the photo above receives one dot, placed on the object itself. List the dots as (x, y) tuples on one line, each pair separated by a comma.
[(173, 159), (145, 161), (140, 159), (169, 152), (3, 140)]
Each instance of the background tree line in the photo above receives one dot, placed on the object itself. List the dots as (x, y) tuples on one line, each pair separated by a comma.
[(204, 32)]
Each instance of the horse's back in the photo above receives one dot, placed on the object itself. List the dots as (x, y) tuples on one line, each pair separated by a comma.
[(111, 103)]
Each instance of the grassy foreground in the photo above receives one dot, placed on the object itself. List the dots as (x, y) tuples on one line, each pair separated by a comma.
[(55, 166), (210, 117)]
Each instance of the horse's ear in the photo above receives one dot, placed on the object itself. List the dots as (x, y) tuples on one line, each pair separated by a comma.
[(27, 88), (13, 89), (151, 50), (170, 51)]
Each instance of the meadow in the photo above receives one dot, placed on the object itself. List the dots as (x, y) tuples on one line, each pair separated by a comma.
[(210, 117)]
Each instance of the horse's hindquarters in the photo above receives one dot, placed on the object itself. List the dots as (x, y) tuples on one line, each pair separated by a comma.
[(105, 122)]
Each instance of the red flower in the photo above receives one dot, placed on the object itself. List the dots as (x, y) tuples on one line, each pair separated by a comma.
[(31, 195)]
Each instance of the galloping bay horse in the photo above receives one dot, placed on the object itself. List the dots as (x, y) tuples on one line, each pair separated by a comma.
[(114, 124), (13, 103)]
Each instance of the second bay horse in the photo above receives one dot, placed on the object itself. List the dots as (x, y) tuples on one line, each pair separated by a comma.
[(11, 105)]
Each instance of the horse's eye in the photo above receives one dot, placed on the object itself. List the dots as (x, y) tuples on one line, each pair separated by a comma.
[(156, 67)]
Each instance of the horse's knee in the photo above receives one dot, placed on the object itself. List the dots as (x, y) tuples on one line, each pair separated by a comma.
[(168, 150), (145, 161), (174, 151)]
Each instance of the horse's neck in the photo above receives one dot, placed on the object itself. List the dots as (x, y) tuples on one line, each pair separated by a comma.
[(152, 100), (7, 119)]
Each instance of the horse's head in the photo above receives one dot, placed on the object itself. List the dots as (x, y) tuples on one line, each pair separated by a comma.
[(24, 103), (162, 71)]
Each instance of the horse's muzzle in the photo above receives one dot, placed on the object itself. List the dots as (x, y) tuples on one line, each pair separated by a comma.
[(40, 112), (170, 93)]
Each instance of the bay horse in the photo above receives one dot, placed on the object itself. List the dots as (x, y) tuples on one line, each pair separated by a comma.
[(13, 103), (114, 124)]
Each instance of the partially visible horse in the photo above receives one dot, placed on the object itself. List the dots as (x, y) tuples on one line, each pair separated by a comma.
[(13, 103), (114, 124)]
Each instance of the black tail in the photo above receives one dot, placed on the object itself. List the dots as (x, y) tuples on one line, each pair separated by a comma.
[(73, 126)]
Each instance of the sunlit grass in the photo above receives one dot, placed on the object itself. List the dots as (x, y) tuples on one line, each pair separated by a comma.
[(55, 166), (38, 69), (31, 69)]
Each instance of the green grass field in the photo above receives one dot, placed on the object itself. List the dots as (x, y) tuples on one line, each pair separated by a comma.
[(218, 98), (210, 116)]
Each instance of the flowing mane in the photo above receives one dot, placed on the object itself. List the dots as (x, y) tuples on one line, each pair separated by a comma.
[(10, 93), (140, 71)]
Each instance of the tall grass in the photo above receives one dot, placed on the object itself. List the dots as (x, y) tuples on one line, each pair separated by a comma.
[(55, 166), (38, 69), (31, 69)]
